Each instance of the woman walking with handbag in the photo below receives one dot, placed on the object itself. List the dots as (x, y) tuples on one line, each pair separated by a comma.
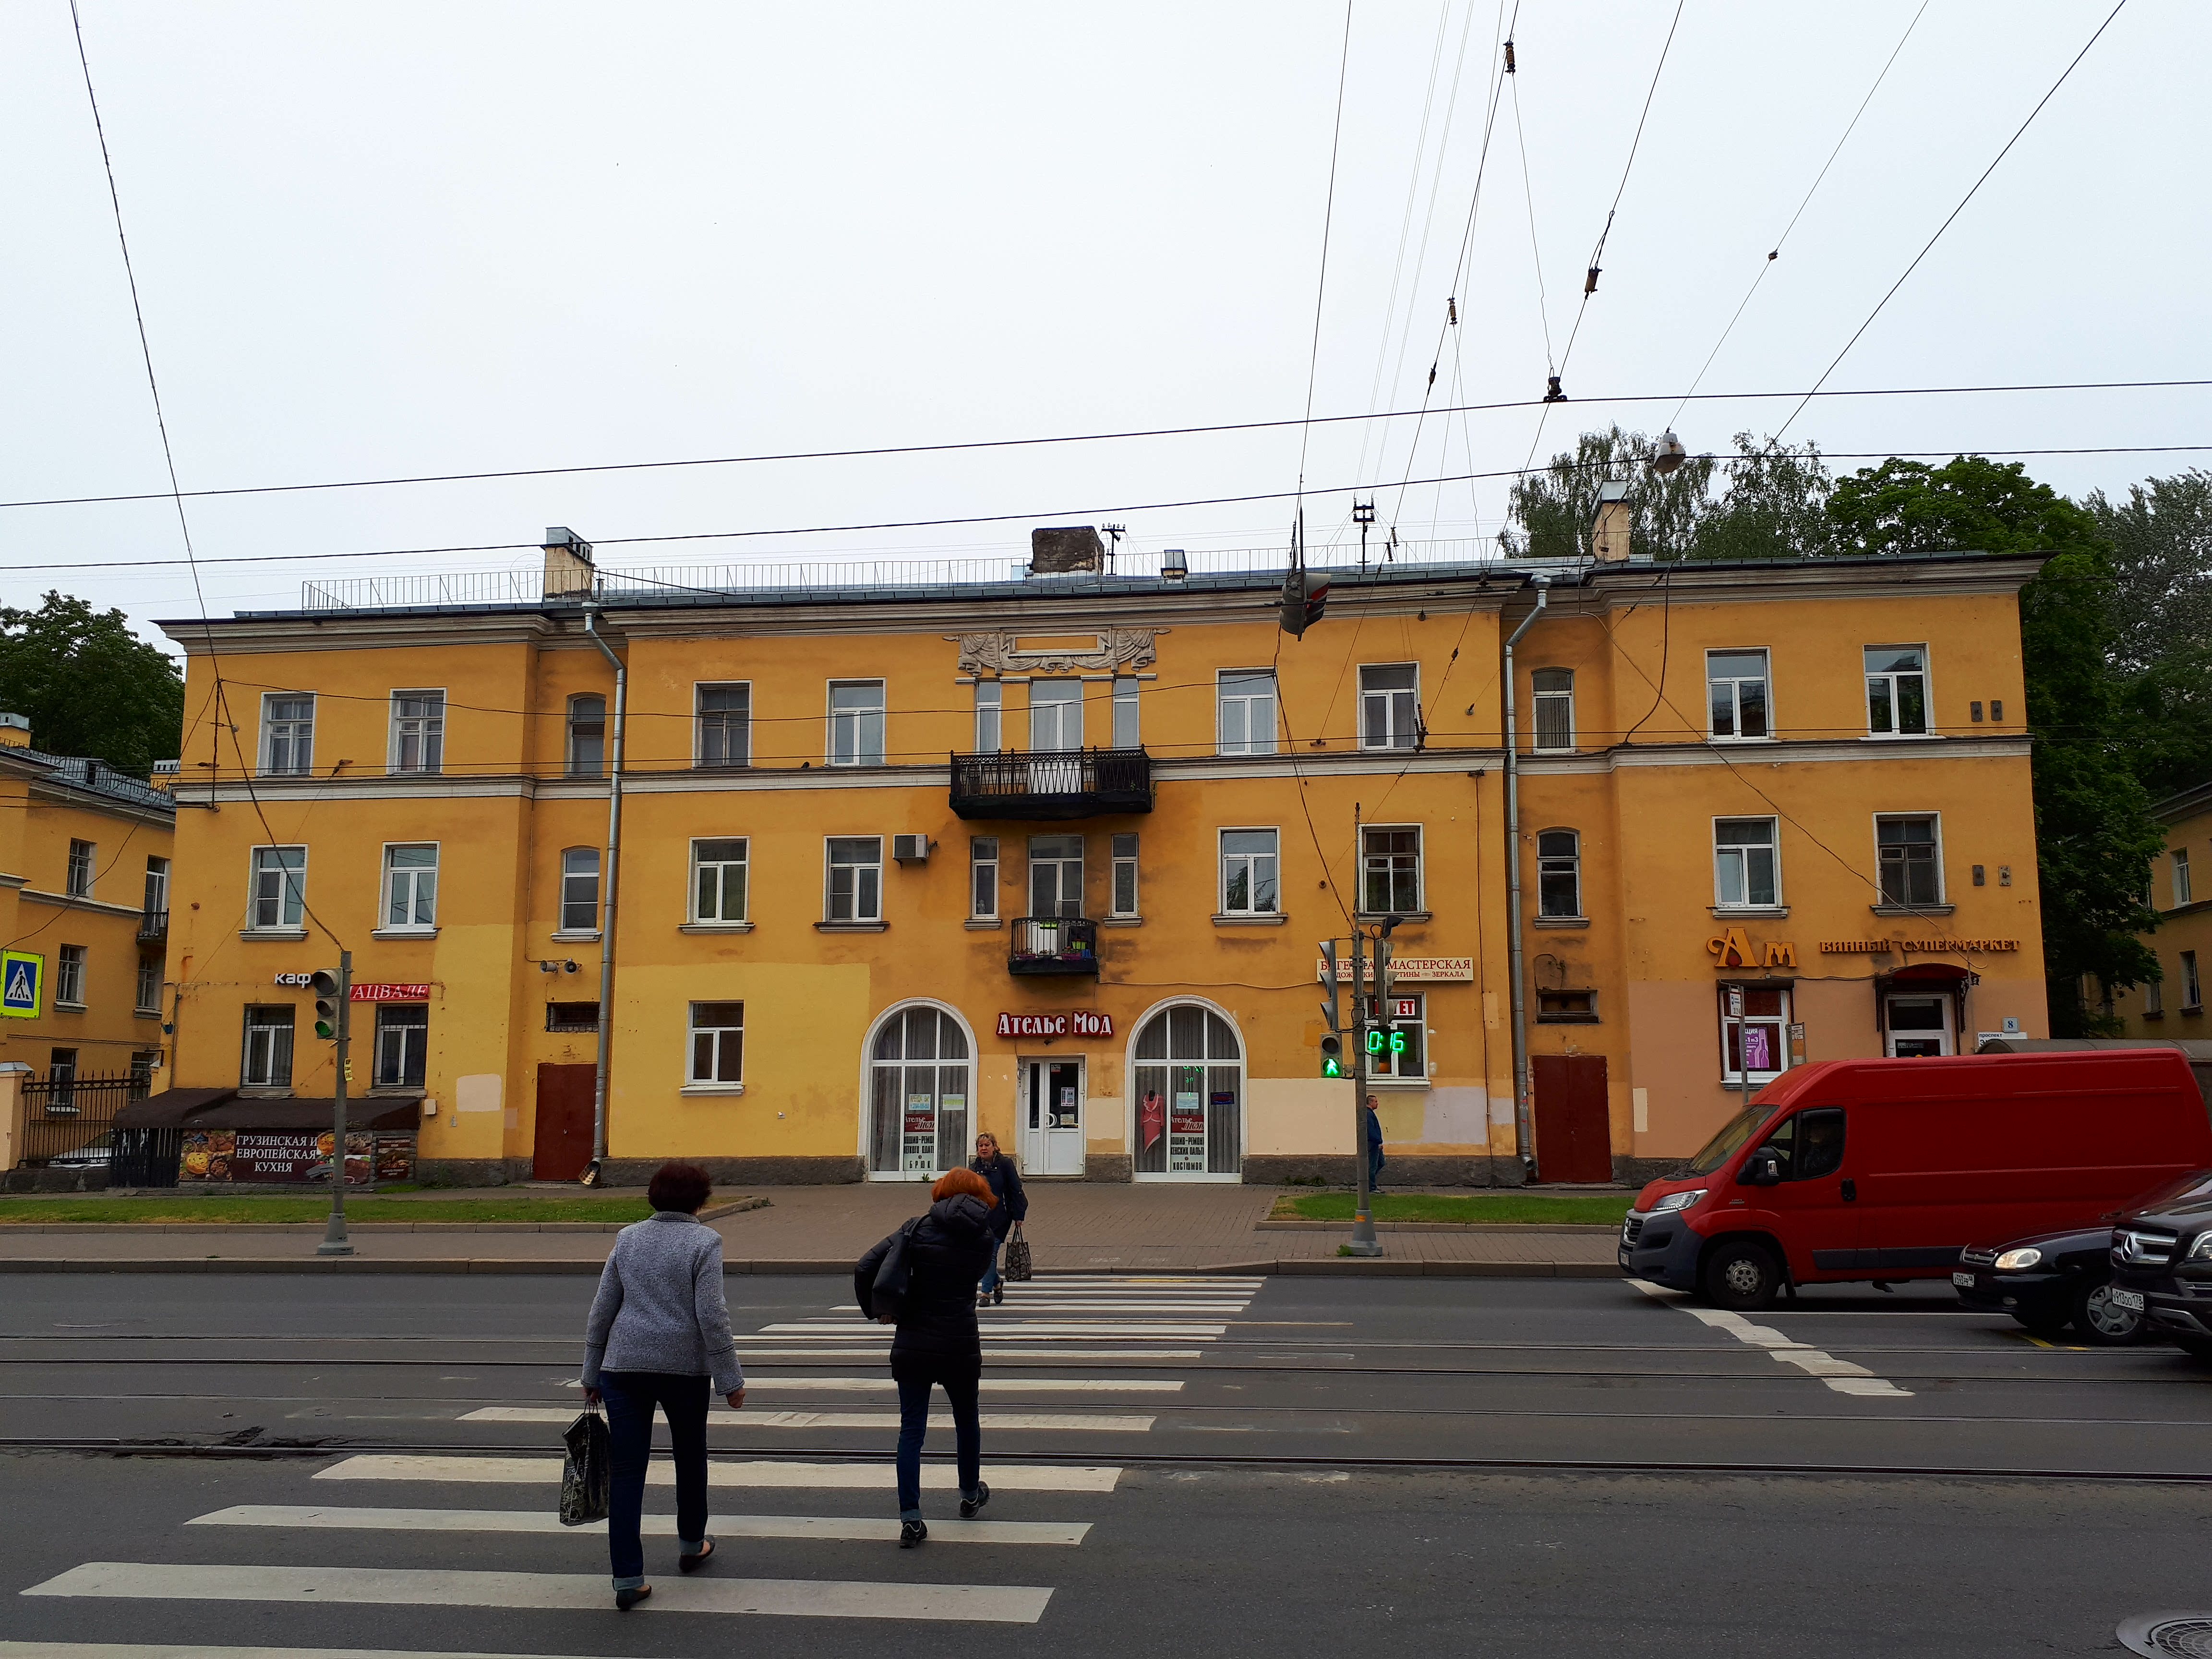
[(927, 1273), (1010, 1208), (658, 1333)]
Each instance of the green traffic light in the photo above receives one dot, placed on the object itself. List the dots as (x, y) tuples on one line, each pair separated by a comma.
[(1330, 1068)]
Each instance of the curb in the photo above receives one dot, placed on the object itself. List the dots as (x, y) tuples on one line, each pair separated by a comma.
[(8, 1229), (1539, 1228), (1289, 1267)]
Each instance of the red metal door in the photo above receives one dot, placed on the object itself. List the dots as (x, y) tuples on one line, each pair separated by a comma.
[(1574, 1138), (564, 1144)]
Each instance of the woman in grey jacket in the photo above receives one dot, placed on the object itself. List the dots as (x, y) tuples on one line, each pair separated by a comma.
[(659, 1331)]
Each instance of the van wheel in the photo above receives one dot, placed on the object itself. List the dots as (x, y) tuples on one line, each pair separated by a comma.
[(1742, 1275), (2097, 1321)]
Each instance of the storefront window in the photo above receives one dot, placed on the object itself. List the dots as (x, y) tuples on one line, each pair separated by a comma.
[(921, 1078), (1189, 1086), (403, 1044), (1759, 1035), (1396, 1045)]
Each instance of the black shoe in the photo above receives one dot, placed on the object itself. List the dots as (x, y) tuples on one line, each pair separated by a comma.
[(998, 1295), (625, 1600), (913, 1532), (971, 1507), (693, 1563)]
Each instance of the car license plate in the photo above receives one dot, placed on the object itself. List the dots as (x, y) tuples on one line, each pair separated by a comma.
[(2131, 1300), (1964, 1281)]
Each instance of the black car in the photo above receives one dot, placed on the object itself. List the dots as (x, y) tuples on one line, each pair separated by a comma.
[(2049, 1281), (2161, 1254)]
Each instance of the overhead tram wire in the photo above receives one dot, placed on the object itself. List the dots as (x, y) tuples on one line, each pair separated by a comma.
[(1949, 220), (1528, 195)]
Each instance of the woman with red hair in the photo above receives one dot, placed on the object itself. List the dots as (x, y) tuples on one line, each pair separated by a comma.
[(938, 1344)]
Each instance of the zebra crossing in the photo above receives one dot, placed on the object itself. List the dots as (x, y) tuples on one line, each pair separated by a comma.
[(1078, 1331)]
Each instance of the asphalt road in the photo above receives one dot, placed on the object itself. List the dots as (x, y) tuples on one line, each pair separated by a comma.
[(1540, 1466)]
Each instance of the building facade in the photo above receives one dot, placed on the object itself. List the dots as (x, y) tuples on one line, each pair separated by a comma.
[(2173, 1006), (1053, 856)]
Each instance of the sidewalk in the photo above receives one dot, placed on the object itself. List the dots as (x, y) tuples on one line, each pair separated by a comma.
[(1075, 1227)]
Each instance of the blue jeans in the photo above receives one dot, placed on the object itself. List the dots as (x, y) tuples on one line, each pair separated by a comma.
[(631, 1397), (991, 1274), (960, 1379), (1374, 1165)]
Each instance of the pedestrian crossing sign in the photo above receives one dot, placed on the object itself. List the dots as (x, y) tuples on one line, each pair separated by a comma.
[(23, 984)]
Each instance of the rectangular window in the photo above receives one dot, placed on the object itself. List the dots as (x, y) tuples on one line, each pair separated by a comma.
[(725, 725), (571, 1017), (157, 887), (1745, 872), (717, 1042), (1056, 875), (149, 985), (2181, 886), (61, 1067), (1759, 1036), (1390, 871), (1055, 716), (144, 1062), (68, 975), (81, 854), (2192, 989), (856, 723), (418, 731), (990, 717), (1554, 697), (1248, 886), (579, 890), (983, 878), (1736, 687), (1124, 899), (1128, 732), (267, 1061), (1897, 690), (410, 885), (588, 736), (1559, 873), (403, 1044), (279, 890), (856, 878), (717, 880), (287, 734), (1567, 1007), (1910, 870), (2154, 1000), (1389, 714), (1396, 1043), (1245, 719)]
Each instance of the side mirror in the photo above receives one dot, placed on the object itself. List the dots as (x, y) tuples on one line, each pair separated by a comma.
[(1762, 1169)]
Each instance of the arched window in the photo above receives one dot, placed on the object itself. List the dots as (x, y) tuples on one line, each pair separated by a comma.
[(921, 1080), (1554, 703), (1187, 1077), (588, 737), (579, 890), (1559, 873)]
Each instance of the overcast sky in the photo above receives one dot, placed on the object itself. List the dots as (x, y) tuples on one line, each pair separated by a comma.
[(407, 239)]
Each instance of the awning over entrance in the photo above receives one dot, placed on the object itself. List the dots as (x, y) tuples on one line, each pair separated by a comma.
[(224, 1108)]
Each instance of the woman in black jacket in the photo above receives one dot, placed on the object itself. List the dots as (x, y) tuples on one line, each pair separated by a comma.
[(938, 1344), (1010, 1206)]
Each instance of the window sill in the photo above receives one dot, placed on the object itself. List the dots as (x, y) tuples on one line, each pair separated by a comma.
[(1748, 912), (984, 924), (61, 1007), (1716, 738), (851, 927), (1276, 920), (294, 934), (264, 1090), (146, 1013), (2187, 1009), (1558, 921), (402, 933), (1912, 909), (699, 1089), (1402, 915), (392, 1091), (1397, 1083), (1568, 1019), (577, 936), (715, 927), (1900, 736), (1120, 921), (1759, 1080)]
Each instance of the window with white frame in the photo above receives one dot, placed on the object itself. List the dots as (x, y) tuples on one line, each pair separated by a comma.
[(1397, 1045), (1245, 711), (287, 734), (157, 887), (1553, 697), (856, 879), (579, 890), (68, 976), (990, 717), (1559, 873), (1123, 899), (1249, 886), (1757, 1036), (2154, 1000), (1736, 694), (403, 1044), (266, 1060), (1056, 875), (588, 736), (1055, 716), (1908, 848), (1390, 706), (149, 985), (717, 880), (856, 723), (279, 889), (1897, 690), (2181, 889), (411, 886), (83, 858), (1390, 870), (1128, 733), (418, 731), (983, 878), (724, 714), (2192, 988), (1746, 869), (718, 1044)]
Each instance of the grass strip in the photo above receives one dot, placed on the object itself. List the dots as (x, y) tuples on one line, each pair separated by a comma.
[(1606, 1208)]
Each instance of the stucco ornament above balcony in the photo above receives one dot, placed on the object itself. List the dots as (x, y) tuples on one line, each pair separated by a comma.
[(1120, 650)]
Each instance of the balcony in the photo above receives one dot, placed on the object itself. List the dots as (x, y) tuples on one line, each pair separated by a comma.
[(153, 926), (1075, 783), (1053, 944)]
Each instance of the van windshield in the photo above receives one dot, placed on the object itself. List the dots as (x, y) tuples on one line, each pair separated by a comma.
[(1731, 1139)]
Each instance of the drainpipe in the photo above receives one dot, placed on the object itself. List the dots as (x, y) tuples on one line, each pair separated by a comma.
[(608, 877), (1524, 1140)]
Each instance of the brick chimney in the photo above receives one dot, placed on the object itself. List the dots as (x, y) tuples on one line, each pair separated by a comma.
[(1064, 548), (14, 731), (1609, 533), (568, 570)]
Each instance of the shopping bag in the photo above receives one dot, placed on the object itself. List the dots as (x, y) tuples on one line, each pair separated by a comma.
[(1017, 1257), (587, 1474)]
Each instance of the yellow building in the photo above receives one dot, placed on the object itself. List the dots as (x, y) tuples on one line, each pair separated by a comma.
[(1051, 852), (2173, 1007), (85, 884)]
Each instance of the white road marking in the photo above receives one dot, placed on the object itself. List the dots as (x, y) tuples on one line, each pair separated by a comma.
[(991, 1385), (866, 1528), (1006, 1604), (1028, 1356), (996, 1316), (760, 1472), (1003, 1329), (1839, 1374), (1063, 1421)]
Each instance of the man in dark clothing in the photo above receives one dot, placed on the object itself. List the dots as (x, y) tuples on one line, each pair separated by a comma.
[(1010, 1207), (937, 1343), (1373, 1147)]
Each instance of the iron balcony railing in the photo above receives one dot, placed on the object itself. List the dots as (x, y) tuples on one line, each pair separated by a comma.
[(1074, 783), (1053, 944), (153, 926)]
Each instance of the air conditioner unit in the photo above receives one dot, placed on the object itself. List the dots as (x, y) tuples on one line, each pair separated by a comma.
[(910, 849)]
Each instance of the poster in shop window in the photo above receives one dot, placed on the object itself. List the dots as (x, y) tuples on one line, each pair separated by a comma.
[(1151, 1118), (1186, 1134), (920, 1148), (1758, 1049), (297, 1157)]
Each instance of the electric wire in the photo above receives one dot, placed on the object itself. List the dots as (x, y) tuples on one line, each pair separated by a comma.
[(1327, 223)]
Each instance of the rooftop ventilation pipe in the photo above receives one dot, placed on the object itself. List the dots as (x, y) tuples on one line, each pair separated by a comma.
[(1524, 1140), (1609, 533)]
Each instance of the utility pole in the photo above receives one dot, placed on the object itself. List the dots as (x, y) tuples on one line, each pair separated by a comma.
[(1364, 1242), (1362, 514), (335, 1242)]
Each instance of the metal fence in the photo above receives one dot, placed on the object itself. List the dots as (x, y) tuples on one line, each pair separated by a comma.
[(68, 1117)]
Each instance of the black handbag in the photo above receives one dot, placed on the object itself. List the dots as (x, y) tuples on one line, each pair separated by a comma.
[(587, 1474), (887, 1292), (1017, 1257)]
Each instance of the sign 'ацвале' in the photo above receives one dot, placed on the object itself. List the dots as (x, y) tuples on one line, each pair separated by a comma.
[(1080, 1023)]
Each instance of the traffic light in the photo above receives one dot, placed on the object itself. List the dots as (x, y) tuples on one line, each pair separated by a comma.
[(324, 982), (1332, 1056), (1305, 596)]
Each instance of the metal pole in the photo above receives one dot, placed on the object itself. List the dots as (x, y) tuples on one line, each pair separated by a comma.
[(335, 1242), (608, 878), (1364, 1242), (1524, 1136)]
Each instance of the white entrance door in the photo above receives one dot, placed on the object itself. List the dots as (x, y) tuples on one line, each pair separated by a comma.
[(1052, 1117), (1919, 1025)]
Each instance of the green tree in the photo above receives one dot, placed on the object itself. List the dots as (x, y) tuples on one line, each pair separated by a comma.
[(2161, 541), (1556, 507), (1775, 506), (89, 685)]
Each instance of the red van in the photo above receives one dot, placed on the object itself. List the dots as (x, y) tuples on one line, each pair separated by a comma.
[(1886, 1168)]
